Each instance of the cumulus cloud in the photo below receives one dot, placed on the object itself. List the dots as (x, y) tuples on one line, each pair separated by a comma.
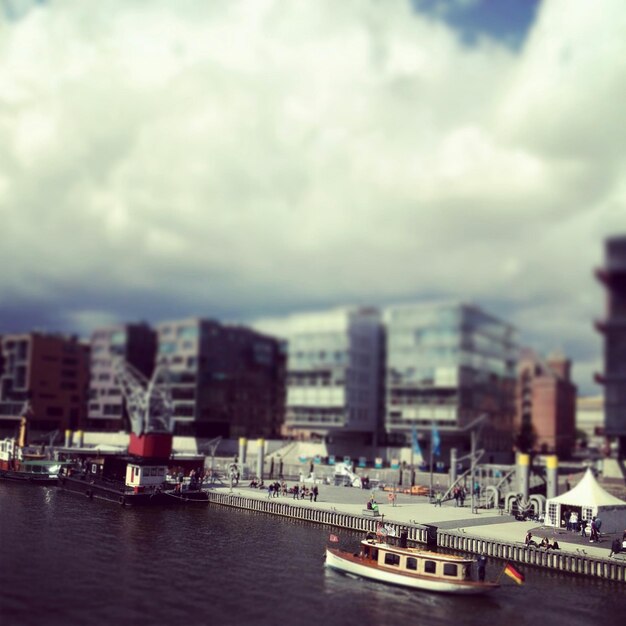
[(252, 157)]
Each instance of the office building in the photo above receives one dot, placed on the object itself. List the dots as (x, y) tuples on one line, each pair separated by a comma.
[(134, 343), (334, 373), (446, 366), (51, 372), (613, 329), (590, 421), (226, 380), (545, 417)]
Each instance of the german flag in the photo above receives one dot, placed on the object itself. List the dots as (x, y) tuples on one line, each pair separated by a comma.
[(517, 576)]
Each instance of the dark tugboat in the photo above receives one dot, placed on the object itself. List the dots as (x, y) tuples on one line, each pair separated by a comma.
[(138, 478)]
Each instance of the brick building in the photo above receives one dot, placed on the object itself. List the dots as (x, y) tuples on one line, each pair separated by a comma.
[(49, 371), (545, 419)]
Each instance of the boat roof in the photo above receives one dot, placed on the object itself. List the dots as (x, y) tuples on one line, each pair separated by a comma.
[(44, 462), (417, 552)]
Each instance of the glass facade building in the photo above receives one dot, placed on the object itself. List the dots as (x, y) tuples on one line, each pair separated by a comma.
[(334, 372), (449, 364)]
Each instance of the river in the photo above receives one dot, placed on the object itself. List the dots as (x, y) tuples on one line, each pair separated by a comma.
[(66, 560)]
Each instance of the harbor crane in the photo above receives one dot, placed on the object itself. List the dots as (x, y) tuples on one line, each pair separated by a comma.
[(149, 402)]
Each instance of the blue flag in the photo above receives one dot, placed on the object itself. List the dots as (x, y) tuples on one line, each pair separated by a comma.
[(416, 444), (436, 441)]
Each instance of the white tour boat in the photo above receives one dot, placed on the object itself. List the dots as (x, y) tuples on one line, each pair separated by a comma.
[(409, 567)]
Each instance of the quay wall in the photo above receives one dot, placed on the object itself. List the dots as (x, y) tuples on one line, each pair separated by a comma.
[(453, 540)]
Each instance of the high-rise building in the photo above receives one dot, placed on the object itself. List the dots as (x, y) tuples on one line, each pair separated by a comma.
[(446, 366), (136, 344), (545, 416), (613, 329), (51, 372), (334, 373), (226, 380)]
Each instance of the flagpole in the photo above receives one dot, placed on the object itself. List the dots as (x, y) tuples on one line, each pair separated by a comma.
[(502, 572), (412, 446), (432, 431)]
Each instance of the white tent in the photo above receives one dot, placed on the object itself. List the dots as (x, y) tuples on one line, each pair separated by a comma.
[(588, 499)]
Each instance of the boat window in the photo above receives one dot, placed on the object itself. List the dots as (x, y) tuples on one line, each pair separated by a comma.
[(450, 569), (392, 559), (430, 567), (411, 563)]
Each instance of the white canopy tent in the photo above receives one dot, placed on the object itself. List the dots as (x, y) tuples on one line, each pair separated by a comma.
[(589, 500)]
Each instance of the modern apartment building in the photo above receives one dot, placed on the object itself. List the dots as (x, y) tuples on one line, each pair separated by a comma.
[(136, 344), (334, 373), (51, 372), (613, 329), (447, 365), (226, 380), (545, 416)]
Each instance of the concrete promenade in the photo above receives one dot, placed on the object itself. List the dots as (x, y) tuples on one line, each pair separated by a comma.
[(487, 524)]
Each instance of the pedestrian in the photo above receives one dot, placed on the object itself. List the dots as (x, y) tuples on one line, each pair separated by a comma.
[(616, 547), (593, 536), (583, 528), (462, 496), (295, 492), (315, 493), (482, 566)]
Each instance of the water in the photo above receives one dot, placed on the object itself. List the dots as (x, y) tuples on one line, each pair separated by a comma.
[(67, 560)]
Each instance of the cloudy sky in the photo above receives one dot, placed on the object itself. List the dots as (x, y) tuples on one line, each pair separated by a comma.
[(242, 159)]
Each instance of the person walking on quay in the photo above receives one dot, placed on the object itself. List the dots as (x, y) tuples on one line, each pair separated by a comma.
[(462, 496), (616, 547), (295, 492), (391, 498), (315, 492), (583, 528), (593, 538)]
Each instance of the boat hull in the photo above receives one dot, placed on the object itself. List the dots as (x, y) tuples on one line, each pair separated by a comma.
[(28, 477), (117, 494), (350, 564)]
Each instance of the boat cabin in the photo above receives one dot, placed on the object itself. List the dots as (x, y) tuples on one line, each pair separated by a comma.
[(139, 476), (8, 453), (414, 561)]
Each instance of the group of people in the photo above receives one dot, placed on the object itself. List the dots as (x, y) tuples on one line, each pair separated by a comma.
[(544, 543), (196, 478), (459, 494), (275, 489), (576, 525)]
